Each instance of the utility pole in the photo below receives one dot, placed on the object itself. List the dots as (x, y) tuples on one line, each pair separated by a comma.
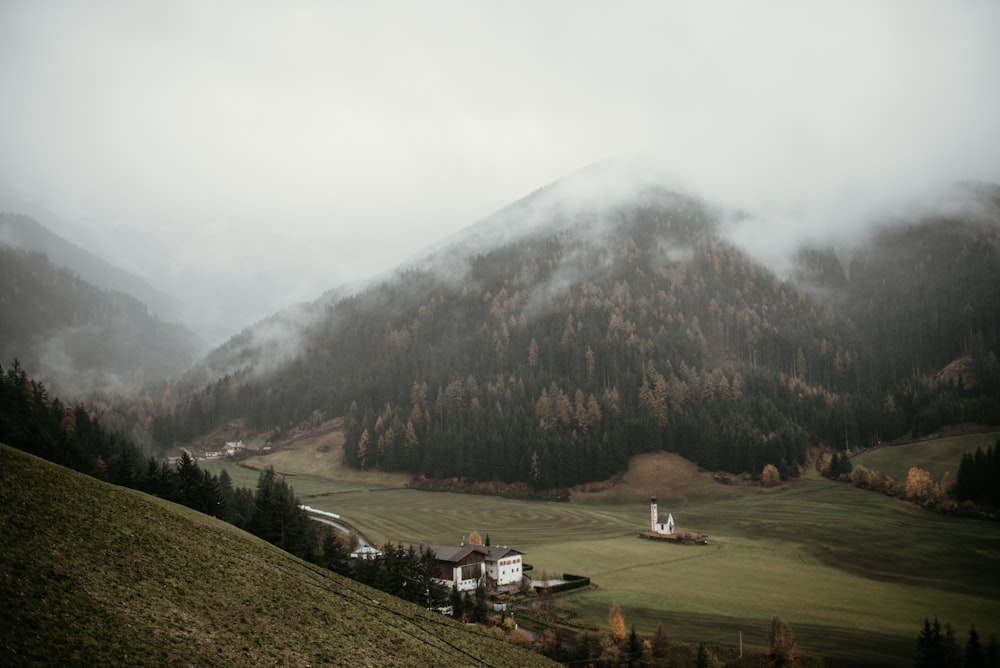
[(741, 643)]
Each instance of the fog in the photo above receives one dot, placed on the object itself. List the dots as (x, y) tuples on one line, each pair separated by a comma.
[(243, 156)]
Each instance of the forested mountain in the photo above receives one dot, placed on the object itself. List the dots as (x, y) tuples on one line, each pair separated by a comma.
[(77, 337), (24, 232), (555, 339)]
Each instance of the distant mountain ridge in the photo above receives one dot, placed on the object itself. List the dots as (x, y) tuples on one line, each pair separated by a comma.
[(79, 338), (552, 341), (22, 231)]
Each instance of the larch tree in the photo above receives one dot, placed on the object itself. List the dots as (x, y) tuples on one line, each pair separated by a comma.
[(616, 622), (770, 476), (660, 645), (781, 643), (919, 486)]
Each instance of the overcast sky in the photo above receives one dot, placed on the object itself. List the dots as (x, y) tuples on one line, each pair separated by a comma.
[(311, 143)]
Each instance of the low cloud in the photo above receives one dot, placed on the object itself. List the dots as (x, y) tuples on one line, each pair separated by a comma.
[(249, 156)]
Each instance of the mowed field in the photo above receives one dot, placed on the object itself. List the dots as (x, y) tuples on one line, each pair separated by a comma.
[(853, 572), (936, 456)]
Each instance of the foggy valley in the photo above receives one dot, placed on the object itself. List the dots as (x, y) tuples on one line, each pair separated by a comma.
[(518, 269)]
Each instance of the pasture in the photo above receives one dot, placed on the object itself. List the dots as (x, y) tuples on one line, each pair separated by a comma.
[(936, 456), (853, 572)]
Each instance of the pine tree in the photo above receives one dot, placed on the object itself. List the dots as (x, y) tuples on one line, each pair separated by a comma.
[(335, 555), (701, 660), (974, 656), (634, 649), (929, 645)]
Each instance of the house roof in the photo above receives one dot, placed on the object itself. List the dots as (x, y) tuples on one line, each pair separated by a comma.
[(452, 553), (365, 549), (495, 552), (457, 553)]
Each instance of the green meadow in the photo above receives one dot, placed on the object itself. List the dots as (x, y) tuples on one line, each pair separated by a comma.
[(936, 456), (853, 572)]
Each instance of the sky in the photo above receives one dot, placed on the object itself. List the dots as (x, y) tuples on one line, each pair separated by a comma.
[(245, 155)]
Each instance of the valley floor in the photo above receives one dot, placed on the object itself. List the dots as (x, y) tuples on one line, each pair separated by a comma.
[(854, 573)]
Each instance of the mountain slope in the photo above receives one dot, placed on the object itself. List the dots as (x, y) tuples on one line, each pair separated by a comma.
[(624, 325), (92, 574), (24, 232), (77, 337)]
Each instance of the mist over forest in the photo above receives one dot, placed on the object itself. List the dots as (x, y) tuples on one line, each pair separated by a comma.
[(501, 249)]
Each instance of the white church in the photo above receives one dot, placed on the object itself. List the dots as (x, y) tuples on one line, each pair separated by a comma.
[(663, 528)]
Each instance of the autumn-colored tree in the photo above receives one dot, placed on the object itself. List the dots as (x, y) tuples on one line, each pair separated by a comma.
[(616, 622), (919, 486), (475, 538), (770, 477), (861, 477), (660, 645), (781, 643), (611, 652), (944, 487)]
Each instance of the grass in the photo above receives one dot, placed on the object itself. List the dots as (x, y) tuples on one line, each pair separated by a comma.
[(935, 456), (92, 574), (854, 573)]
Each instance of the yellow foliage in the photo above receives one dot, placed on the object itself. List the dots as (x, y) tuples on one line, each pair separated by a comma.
[(616, 622)]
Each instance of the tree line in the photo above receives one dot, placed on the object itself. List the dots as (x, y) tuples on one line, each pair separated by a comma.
[(554, 358)]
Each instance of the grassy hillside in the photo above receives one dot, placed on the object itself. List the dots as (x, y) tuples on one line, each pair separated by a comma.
[(92, 574), (936, 455)]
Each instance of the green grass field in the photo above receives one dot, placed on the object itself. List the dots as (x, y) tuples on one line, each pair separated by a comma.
[(937, 456), (854, 573)]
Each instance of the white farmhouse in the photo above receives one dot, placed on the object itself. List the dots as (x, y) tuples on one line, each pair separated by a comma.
[(463, 566), (504, 566)]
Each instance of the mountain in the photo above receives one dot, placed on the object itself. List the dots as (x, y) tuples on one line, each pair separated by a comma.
[(93, 574), (590, 322), (78, 337), (24, 232)]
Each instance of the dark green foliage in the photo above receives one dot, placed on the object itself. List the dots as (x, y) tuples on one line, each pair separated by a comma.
[(633, 649), (974, 656), (840, 464), (278, 517), (553, 358), (479, 607), (335, 554), (405, 573), (936, 649), (79, 336), (979, 477), (71, 436), (702, 659)]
